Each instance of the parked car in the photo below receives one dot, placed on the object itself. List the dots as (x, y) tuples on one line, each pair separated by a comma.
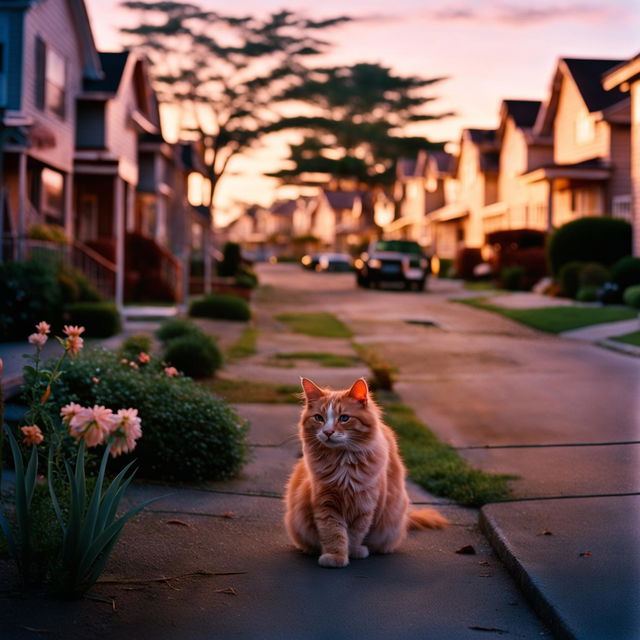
[(327, 262), (393, 261)]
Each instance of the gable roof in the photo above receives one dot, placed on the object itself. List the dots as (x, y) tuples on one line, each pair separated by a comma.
[(342, 199), (481, 136), (621, 75), (92, 67), (113, 65), (523, 112), (587, 74)]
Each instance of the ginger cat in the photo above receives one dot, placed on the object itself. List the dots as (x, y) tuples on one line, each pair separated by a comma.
[(347, 496)]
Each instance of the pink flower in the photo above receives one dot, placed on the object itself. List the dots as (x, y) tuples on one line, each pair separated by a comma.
[(38, 339), (69, 411), (32, 435), (43, 327), (124, 361), (71, 331), (144, 358), (171, 372), (125, 430), (73, 344), (134, 365), (95, 380), (92, 425)]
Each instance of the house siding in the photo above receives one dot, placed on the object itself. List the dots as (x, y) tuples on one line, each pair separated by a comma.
[(48, 20), (568, 149), (635, 164), (620, 154)]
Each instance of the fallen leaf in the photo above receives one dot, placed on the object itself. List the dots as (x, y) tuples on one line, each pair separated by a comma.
[(489, 630), (545, 532), (484, 563), (467, 550), (486, 575), (179, 522), (229, 514)]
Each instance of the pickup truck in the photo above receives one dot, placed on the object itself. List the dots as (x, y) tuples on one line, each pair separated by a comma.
[(387, 261)]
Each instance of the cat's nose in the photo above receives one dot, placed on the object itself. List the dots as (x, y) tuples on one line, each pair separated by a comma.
[(328, 432)]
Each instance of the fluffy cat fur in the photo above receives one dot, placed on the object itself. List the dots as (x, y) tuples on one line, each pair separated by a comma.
[(347, 496)]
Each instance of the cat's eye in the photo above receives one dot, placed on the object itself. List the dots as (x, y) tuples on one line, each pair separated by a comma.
[(344, 418), (319, 417)]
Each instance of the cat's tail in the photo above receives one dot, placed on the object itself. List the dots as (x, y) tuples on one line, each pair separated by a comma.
[(427, 519)]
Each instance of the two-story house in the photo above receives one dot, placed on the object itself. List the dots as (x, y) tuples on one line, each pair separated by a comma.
[(590, 172), (47, 54), (626, 77)]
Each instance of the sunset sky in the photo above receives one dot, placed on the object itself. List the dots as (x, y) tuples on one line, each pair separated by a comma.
[(488, 50)]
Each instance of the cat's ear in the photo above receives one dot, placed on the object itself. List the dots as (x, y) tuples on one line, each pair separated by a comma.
[(311, 390), (360, 391)]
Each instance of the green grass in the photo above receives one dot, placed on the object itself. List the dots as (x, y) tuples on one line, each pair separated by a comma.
[(629, 338), (320, 324), (245, 345), (556, 319), (438, 467), (480, 286), (241, 391), (324, 359)]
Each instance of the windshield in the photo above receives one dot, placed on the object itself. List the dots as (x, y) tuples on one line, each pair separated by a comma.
[(401, 246)]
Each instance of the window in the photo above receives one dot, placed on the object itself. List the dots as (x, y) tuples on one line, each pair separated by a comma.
[(51, 78), (52, 194), (585, 128)]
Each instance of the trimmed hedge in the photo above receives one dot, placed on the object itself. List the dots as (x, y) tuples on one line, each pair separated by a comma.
[(188, 434), (196, 354), (221, 306), (631, 296), (626, 272), (591, 239), (100, 319), (569, 278), (176, 328)]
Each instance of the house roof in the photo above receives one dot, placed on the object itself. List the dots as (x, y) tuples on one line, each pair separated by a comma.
[(113, 65), (340, 200), (587, 74), (284, 207), (481, 136), (443, 160), (523, 112)]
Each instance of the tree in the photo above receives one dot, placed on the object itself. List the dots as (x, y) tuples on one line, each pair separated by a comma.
[(224, 73), (362, 112)]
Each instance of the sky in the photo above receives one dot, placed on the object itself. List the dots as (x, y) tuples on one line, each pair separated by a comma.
[(489, 51)]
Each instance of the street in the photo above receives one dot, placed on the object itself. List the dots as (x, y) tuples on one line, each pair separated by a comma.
[(562, 415)]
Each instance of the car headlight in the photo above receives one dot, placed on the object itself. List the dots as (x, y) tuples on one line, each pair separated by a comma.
[(358, 264), (374, 263), (306, 260)]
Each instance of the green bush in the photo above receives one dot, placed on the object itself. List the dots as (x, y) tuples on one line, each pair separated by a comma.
[(569, 278), (100, 319), (48, 233), (29, 293), (631, 296), (134, 345), (231, 260), (221, 306), (446, 268), (626, 272), (593, 274), (76, 287), (176, 328), (603, 240), (188, 434), (587, 293), (247, 278), (512, 278), (196, 355)]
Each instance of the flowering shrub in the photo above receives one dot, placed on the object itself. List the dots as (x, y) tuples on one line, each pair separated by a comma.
[(189, 434), (89, 529)]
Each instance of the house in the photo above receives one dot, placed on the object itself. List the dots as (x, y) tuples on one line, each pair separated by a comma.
[(419, 189), (113, 113), (625, 77), (590, 171), (42, 73), (470, 189), (357, 217), (521, 204)]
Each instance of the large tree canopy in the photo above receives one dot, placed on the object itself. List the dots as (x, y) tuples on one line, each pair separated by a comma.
[(359, 128), (224, 73)]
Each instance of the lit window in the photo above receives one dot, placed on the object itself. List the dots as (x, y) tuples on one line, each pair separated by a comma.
[(585, 128), (52, 194)]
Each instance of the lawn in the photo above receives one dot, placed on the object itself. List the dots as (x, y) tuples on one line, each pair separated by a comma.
[(320, 324), (245, 345), (436, 466), (323, 359), (556, 319), (629, 338), (240, 391)]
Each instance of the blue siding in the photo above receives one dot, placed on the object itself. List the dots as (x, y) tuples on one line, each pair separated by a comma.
[(12, 39)]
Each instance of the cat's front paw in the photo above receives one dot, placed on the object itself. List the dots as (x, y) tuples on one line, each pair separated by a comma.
[(359, 552), (333, 560)]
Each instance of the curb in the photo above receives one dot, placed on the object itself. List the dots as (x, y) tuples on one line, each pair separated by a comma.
[(620, 347), (528, 586)]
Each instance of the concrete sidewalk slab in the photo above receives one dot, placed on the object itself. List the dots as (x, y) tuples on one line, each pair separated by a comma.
[(598, 332), (577, 561)]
